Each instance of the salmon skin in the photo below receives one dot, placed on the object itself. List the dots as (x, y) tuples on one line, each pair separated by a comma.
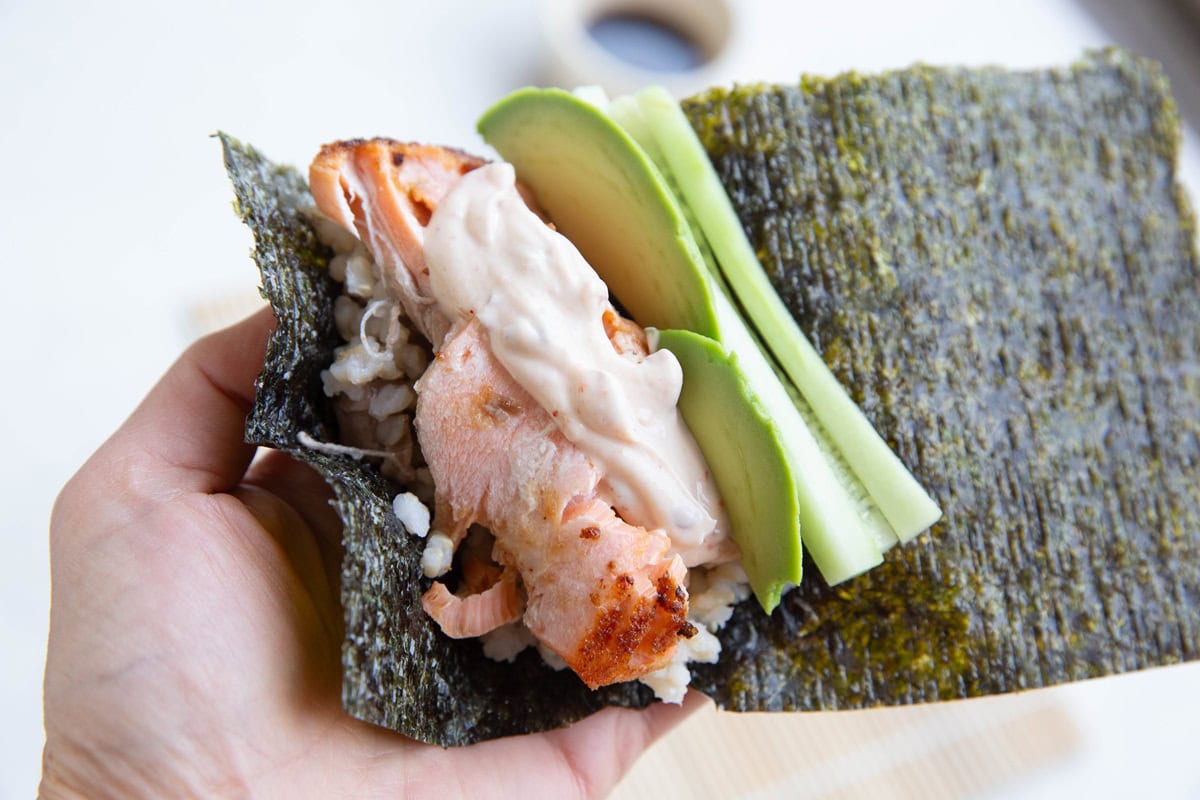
[(606, 596)]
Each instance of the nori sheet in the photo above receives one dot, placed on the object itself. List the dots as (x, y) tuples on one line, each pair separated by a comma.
[(1002, 268), (399, 671)]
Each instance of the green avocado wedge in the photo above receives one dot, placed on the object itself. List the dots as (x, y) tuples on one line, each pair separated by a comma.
[(639, 241), (749, 461)]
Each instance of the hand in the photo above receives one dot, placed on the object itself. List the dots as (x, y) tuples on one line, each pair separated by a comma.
[(195, 628)]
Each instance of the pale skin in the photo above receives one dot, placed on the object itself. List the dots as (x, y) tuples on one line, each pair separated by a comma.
[(195, 627)]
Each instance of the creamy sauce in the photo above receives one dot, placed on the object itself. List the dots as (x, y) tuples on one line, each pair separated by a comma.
[(542, 306)]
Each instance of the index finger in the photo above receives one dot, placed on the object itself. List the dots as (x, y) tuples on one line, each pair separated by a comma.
[(187, 434)]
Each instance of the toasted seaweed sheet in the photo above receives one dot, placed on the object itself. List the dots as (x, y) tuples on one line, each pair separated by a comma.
[(399, 671), (1002, 268)]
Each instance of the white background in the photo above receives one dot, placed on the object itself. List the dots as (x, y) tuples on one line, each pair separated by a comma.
[(115, 225)]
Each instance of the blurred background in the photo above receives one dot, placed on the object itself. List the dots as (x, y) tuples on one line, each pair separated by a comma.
[(120, 247)]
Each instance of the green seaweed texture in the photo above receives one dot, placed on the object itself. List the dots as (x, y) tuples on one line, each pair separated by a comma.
[(1001, 266), (1002, 269)]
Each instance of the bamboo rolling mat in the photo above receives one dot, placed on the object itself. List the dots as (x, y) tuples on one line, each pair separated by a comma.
[(945, 750)]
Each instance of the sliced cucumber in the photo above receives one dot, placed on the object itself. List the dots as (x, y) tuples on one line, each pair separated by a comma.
[(832, 524), (907, 507)]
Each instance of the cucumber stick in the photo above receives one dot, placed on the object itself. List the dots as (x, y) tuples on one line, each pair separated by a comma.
[(851, 555), (831, 527), (840, 526), (908, 509)]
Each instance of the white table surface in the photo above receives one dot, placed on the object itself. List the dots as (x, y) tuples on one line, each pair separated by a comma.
[(115, 222)]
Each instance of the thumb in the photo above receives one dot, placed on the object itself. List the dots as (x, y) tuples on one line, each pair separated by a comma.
[(585, 760)]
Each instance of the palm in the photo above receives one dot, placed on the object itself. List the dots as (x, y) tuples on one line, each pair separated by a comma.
[(196, 630)]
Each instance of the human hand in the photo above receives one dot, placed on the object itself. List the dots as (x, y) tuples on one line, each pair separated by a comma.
[(195, 627)]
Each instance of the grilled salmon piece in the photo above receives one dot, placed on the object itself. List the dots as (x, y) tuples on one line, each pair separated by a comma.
[(386, 191), (462, 617), (604, 595)]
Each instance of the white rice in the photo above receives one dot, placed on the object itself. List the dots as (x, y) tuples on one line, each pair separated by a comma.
[(670, 683), (332, 234), (346, 314), (550, 658), (412, 513), (354, 366), (394, 398), (714, 593), (438, 555), (360, 274), (373, 372), (506, 642)]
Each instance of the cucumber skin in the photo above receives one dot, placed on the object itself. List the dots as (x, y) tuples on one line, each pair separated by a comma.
[(907, 507)]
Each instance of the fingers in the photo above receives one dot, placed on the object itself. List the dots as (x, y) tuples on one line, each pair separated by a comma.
[(602, 748), (299, 485), (187, 435), (302, 549), (585, 760)]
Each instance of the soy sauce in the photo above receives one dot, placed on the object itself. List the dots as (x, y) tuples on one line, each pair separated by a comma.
[(647, 42)]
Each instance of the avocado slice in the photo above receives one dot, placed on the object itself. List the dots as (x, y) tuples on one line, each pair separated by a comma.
[(607, 196), (747, 457), (909, 510)]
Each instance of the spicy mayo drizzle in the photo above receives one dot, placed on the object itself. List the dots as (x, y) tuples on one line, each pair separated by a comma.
[(542, 306)]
